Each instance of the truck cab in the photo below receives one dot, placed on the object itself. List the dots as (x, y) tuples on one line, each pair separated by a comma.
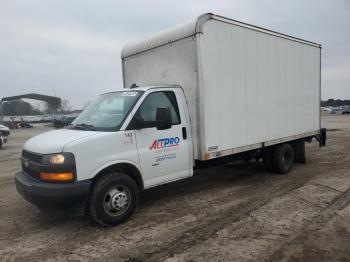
[(123, 142)]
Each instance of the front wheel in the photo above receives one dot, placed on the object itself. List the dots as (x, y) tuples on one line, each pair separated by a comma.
[(113, 199)]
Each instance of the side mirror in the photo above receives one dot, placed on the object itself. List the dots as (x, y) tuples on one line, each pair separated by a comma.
[(163, 118)]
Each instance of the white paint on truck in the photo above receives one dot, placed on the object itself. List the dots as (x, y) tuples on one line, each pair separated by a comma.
[(245, 85), (95, 151)]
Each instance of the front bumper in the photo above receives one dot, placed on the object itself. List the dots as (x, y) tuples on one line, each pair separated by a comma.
[(53, 196)]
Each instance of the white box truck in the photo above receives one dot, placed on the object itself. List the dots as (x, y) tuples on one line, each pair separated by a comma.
[(209, 91)]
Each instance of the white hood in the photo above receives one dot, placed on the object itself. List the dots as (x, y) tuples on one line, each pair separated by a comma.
[(4, 128), (54, 141)]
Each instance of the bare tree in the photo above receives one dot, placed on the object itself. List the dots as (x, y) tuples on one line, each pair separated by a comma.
[(66, 106)]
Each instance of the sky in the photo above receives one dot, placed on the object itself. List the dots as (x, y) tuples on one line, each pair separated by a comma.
[(72, 48)]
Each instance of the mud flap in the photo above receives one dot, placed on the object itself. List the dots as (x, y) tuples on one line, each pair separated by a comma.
[(321, 138), (299, 151)]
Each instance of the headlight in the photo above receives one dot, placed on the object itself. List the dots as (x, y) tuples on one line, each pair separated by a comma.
[(59, 159), (58, 167)]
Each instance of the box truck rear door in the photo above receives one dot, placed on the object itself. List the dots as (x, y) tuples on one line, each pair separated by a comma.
[(163, 154)]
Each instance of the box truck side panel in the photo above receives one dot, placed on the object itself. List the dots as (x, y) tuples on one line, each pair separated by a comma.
[(170, 64), (255, 87)]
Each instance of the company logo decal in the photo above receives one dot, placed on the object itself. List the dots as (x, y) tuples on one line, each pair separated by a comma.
[(163, 143)]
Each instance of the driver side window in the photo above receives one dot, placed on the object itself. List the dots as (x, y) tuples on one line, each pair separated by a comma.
[(148, 108)]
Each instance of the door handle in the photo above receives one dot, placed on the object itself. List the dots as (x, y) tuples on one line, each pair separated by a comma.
[(184, 133)]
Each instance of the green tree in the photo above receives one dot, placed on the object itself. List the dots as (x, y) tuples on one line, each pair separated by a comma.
[(18, 108)]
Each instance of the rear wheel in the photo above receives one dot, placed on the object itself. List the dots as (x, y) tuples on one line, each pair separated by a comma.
[(283, 158), (113, 199)]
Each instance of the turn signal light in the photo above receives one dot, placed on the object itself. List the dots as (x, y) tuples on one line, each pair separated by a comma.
[(57, 176)]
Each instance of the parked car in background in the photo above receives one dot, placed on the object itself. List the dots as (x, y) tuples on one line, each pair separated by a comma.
[(346, 110), (17, 124), (24, 124), (60, 123), (4, 134), (329, 109), (9, 124)]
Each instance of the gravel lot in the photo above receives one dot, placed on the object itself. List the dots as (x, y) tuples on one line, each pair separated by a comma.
[(230, 213)]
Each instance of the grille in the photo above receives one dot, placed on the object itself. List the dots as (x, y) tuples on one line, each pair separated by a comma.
[(37, 158), (31, 164)]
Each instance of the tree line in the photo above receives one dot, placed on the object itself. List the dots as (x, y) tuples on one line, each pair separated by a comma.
[(335, 102), (23, 108), (18, 108)]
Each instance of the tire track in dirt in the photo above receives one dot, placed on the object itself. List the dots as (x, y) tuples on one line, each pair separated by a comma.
[(339, 203), (203, 231), (239, 211)]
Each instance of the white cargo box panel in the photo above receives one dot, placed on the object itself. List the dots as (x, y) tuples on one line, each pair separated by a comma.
[(246, 86)]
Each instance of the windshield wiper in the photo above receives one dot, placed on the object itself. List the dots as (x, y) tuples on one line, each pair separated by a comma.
[(83, 126)]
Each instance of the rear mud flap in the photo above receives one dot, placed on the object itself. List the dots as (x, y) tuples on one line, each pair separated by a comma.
[(321, 138)]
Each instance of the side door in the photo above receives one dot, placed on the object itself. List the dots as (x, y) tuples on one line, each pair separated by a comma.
[(164, 155)]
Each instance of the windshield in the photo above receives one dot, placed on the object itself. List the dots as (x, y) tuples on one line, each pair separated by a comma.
[(107, 112)]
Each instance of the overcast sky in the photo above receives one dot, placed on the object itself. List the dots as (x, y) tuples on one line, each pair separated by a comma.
[(72, 48)]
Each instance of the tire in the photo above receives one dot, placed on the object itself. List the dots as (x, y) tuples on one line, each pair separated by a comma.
[(113, 199), (283, 158), (267, 158)]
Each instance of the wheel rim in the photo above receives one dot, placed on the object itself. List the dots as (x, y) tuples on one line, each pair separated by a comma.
[(117, 200)]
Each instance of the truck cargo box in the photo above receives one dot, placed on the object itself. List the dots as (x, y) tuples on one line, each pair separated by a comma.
[(246, 87)]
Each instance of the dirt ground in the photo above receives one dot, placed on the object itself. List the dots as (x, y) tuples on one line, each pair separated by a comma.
[(234, 212)]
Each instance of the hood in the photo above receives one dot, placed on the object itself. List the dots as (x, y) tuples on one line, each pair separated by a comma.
[(4, 128), (54, 141)]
